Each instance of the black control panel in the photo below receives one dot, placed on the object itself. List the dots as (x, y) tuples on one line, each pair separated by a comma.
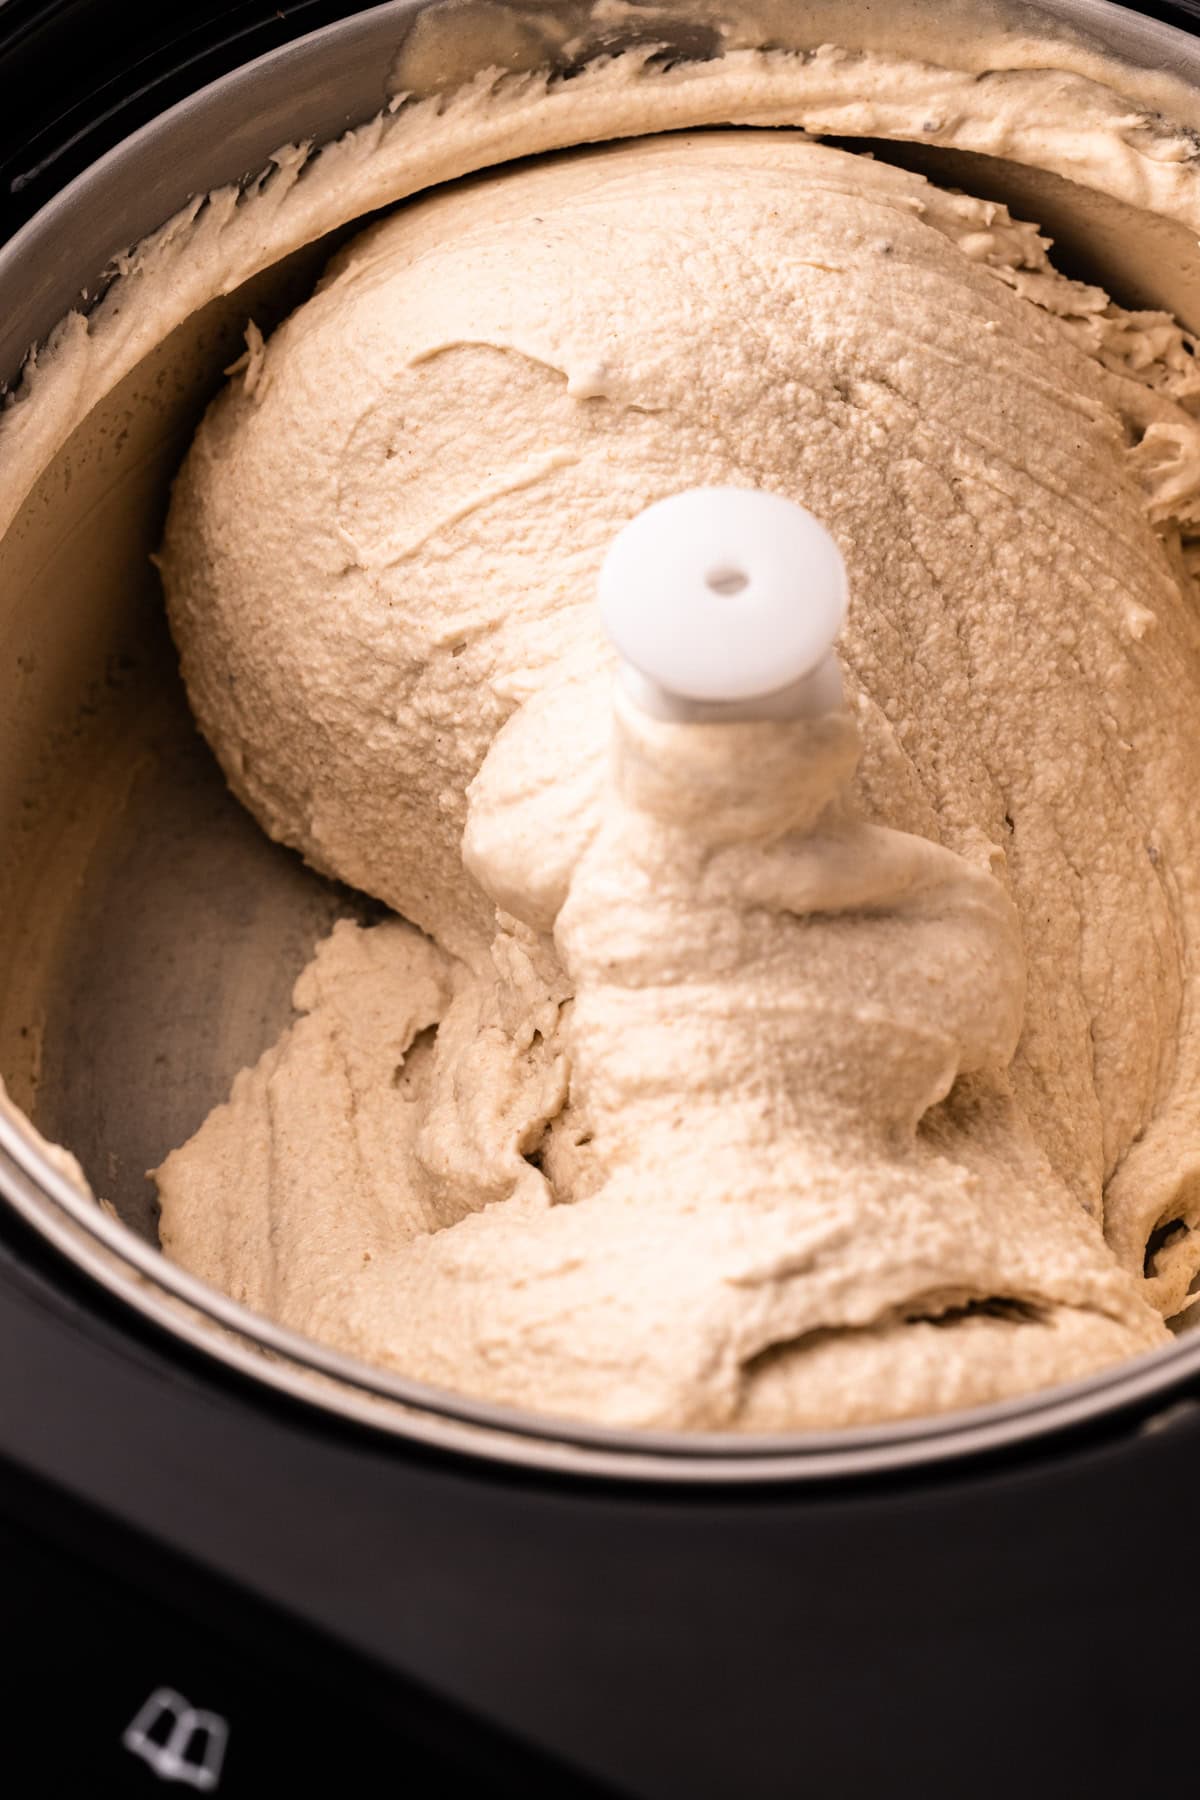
[(130, 1673)]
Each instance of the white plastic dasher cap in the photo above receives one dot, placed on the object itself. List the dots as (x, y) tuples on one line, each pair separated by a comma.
[(726, 603)]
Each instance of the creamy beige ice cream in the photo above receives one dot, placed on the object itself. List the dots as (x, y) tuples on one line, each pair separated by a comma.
[(751, 1075)]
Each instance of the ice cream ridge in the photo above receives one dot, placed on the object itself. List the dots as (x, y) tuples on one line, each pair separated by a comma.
[(789, 1020)]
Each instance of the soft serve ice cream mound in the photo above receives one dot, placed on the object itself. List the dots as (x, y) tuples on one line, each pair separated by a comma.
[(762, 1074)]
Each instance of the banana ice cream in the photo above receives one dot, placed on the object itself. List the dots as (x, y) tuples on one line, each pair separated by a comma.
[(724, 1076)]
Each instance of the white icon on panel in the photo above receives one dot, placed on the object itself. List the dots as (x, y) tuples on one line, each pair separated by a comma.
[(179, 1742)]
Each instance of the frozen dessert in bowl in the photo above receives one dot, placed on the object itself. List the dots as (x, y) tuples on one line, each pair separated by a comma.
[(769, 1072), (748, 1073)]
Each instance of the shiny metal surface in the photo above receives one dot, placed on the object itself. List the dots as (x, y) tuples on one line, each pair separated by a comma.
[(149, 934)]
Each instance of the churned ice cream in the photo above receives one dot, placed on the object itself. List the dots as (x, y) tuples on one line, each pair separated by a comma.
[(753, 1075)]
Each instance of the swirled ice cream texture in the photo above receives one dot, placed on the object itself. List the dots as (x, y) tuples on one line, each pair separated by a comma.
[(683, 1111)]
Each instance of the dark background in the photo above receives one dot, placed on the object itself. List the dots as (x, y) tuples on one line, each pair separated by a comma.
[(77, 76)]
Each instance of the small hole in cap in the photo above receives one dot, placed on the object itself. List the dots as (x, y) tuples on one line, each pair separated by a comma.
[(727, 580)]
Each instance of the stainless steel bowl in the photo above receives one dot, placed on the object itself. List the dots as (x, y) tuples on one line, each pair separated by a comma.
[(149, 933)]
